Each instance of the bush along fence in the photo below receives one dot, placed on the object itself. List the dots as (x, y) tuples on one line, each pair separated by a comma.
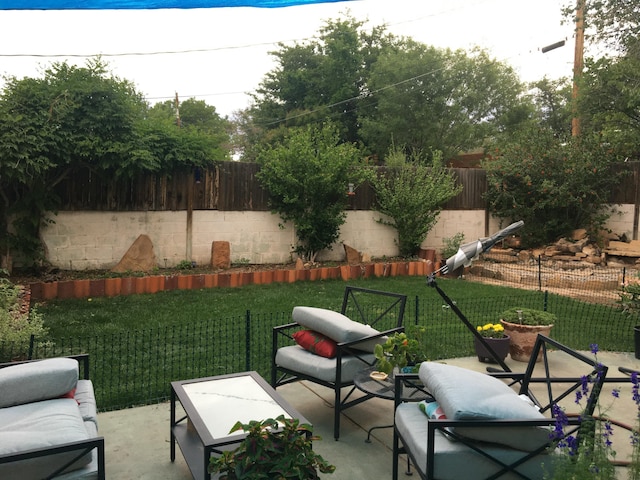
[(136, 368)]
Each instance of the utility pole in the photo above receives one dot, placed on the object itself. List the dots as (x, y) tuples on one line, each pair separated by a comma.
[(177, 102), (578, 64)]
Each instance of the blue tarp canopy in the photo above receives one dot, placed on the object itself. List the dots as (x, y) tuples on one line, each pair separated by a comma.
[(148, 4)]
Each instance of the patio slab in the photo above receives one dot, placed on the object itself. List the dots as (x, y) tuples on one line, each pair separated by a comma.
[(137, 439)]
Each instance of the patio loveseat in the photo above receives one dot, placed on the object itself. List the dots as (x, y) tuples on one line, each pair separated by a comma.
[(48, 421), (481, 427)]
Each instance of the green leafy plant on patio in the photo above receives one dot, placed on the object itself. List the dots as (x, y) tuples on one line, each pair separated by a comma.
[(402, 350), (276, 449), (18, 322)]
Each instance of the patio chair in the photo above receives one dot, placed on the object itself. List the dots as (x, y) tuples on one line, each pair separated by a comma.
[(328, 348), (485, 428)]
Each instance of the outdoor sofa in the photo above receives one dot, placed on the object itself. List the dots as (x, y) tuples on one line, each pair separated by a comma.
[(48, 421), (490, 426)]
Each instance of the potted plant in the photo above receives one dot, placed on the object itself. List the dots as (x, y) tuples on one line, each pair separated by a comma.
[(523, 326), (493, 334), (630, 304), (278, 448), (401, 350)]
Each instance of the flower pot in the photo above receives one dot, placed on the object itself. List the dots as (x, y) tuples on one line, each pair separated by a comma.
[(499, 345), (523, 338)]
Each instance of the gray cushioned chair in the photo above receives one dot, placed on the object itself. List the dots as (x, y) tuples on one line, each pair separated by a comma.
[(366, 318), (490, 425)]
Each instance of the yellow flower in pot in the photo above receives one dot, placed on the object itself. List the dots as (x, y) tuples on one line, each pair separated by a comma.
[(494, 336)]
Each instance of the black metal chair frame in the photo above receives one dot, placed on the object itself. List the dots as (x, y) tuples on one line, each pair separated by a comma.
[(282, 335), (82, 448), (525, 380)]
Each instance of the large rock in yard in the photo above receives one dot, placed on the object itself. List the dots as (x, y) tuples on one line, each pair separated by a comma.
[(221, 255), (139, 258), (353, 256)]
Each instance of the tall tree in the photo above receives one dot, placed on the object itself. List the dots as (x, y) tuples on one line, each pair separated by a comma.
[(428, 98), (609, 102), (613, 23), (77, 119), (72, 118), (320, 79)]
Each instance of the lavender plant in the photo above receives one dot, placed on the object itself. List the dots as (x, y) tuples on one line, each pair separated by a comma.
[(589, 454)]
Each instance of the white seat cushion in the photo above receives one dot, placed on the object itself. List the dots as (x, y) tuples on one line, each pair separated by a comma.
[(40, 425), (454, 460), (336, 326), (300, 360)]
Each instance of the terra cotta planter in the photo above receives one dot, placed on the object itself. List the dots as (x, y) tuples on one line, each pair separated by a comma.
[(523, 338)]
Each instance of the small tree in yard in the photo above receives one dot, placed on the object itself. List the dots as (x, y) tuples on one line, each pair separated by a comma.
[(308, 176), (412, 195)]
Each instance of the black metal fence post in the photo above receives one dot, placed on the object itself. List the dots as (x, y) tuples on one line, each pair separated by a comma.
[(247, 341)]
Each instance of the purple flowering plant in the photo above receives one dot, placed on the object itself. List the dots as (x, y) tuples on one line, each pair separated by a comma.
[(589, 455)]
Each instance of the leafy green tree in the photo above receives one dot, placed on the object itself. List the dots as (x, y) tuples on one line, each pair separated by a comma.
[(428, 98), (553, 185), (72, 118), (552, 100), (613, 23), (411, 195), (320, 79), (75, 119), (307, 176), (610, 102)]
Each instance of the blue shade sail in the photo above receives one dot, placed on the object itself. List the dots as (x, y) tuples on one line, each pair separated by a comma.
[(148, 4)]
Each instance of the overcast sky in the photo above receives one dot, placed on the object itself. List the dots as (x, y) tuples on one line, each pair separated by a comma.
[(223, 52)]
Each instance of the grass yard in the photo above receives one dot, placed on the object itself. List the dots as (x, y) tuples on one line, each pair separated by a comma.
[(139, 343)]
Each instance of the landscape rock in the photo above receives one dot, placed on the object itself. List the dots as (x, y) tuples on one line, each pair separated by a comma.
[(139, 258), (221, 255), (353, 256)]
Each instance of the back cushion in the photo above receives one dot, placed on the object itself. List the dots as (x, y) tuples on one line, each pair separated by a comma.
[(35, 381), (468, 395), (336, 326)]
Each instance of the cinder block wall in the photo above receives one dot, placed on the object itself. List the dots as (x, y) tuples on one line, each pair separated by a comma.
[(98, 240)]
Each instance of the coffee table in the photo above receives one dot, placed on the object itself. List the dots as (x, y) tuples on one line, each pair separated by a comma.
[(212, 406)]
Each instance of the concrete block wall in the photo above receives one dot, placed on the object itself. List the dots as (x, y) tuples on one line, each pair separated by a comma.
[(98, 240)]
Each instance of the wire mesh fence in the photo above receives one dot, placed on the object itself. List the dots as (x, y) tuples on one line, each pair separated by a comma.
[(136, 368)]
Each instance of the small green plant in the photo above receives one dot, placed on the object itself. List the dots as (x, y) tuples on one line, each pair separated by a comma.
[(185, 265), (242, 261), (273, 449), (18, 322), (451, 245), (630, 298), (401, 350), (528, 316)]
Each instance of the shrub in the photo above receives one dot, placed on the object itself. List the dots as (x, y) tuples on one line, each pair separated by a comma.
[(554, 186), (18, 324), (412, 195)]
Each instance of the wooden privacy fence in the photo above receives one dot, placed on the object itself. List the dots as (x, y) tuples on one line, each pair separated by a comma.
[(233, 186)]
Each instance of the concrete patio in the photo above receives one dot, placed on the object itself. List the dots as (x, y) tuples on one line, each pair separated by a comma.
[(137, 439)]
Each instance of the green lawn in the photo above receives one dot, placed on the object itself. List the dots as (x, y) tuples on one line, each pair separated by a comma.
[(139, 343)]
